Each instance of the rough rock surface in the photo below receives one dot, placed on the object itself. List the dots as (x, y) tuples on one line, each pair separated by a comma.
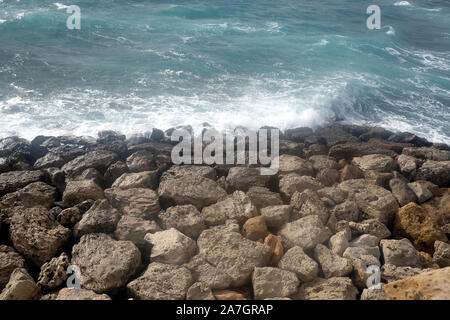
[(80, 294), (273, 282), (332, 265), (337, 288), (297, 261), (9, 260), (101, 217), (105, 264), (306, 232), (53, 273), (442, 254), (242, 178), (14, 180), (186, 219), (21, 286), (78, 191), (401, 253), (134, 229), (137, 202)]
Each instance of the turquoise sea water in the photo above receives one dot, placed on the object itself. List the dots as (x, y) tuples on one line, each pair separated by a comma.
[(135, 65)]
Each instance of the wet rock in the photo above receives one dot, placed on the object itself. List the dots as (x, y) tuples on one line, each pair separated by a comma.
[(415, 223), (293, 164), (297, 261), (442, 254), (243, 178), (79, 191), (255, 228), (138, 202), (293, 182), (432, 285), (356, 149), (161, 282), (21, 286), (101, 217), (14, 180), (144, 179), (97, 159), (236, 206), (402, 192), (106, 264), (428, 153), (186, 219), (9, 260), (262, 197), (273, 282), (370, 226), (36, 234), (53, 273), (80, 294), (142, 161), (170, 246), (437, 172), (291, 148), (276, 216), (388, 145), (401, 253), (234, 254), (306, 232), (274, 243), (190, 189), (334, 135), (406, 137), (298, 134), (336, 288)]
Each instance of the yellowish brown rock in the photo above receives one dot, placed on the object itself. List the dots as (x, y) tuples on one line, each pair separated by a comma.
[(229, 295), (274, 242), (255, 228)]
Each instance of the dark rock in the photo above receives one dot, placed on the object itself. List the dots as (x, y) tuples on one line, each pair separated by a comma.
[(437, 172), (406, 137), (298, 134), (99, 160), (356, 149), (14, 180)]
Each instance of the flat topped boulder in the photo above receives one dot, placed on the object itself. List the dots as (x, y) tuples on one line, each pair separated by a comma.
[(106, 264), (97, 159), (243, 178), (271, 282), (375, 162), (288, 164), (14, 180), (161, 282), (336, 288), (137, 202), (374, 201), (36, 234), (232, 253), (306, 232), (190, 189)]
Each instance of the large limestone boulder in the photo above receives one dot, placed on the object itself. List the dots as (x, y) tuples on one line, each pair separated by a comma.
[(432, 285), (97, 159), (351, 149), (332, 264), (243, 178), (231, 252), (273, 283), (437, 172), (401, 253), (297, 261), (293, 164), (78, 191), (292, 182), (402, 191), (374, 201), (186, 219), (306, 233), (336, 288), (262, 197), (237, 206), (145, 179), (190, 189), (101, 217), (176, 172), (106, 264), (9, 260), (170, 246), (134, 229), (136, 202), (14, 180), (203, 272), (415, 223), (21, 286), (36, 234), (161, 282)]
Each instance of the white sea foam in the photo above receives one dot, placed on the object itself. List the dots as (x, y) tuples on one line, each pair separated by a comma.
[(402, 3)]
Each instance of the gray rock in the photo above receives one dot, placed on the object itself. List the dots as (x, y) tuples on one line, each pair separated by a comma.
[(320, 162), (170, 246), (306, 232), (293, 182), (365, 240), (9, 260), (374, 201), (200, 291), (138, 202), (335, 194), (78, 191), (401, 253), (161, 282), (293, 164), (243, 178), (335, 135), (347, 211), (101, 217), (390, 273), (36, 234), (145, 179), (328, 289), (134, 229), (402, 192), (297, 261), (80, 294), (106, 264), (262, 197), (370, 226), (358, 149), (442, 253), (339, 242), (407, 165), (428, 153), (332, 264), (186, 219), (14, 180), (437, 172), (237, 206), (53, 273), (204, 272), (361, 253), (176, 172), (308, 203), (421, 191), (232, 253), (374, 162), (273, 282), (190, 189), (21, 286), (276, 216), (97, 159)]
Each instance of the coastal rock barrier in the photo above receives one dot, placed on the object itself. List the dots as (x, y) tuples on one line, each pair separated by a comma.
[(354, 212)]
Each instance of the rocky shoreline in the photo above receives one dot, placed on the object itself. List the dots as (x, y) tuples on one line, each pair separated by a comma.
[(347, 200)]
